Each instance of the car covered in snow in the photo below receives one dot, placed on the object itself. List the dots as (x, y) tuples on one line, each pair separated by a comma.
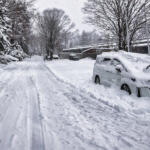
[(129, 71)]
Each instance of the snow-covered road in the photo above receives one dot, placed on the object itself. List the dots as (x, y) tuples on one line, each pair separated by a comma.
[(38, 111)]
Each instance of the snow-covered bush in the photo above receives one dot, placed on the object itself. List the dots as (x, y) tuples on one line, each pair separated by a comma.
[(17, 54), (5, 27), (3, 60), (10, 58)]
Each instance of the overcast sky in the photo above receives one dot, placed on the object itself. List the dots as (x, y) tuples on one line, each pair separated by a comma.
[(71, 7)]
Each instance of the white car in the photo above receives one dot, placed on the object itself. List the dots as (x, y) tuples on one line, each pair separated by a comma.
[(129, 71), (55, 56)]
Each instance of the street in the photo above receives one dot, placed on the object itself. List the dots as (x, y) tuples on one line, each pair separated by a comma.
[(38, 111)]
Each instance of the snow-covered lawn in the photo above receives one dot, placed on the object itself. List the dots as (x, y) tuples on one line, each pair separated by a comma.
[(79, 74)]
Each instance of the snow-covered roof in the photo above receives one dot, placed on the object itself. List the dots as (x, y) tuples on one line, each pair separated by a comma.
[(140, 45), (99, 46), (135, 63), (76, 48)]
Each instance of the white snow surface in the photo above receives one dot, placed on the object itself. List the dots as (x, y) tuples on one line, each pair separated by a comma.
[(79, 74), (48, 107)]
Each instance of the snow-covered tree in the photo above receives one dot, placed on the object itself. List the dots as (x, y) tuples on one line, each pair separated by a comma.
[(8, 42), (89, 38), (84, 39), (5, 27), (21, 13), (114, 16), (54, 26)]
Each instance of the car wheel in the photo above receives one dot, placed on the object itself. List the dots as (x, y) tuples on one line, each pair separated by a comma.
[(138, 92), (97, 80), (126, 88)]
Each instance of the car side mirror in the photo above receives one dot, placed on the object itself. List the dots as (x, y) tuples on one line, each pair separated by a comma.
[(119, 68)]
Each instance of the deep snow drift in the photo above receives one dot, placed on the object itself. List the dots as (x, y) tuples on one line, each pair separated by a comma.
[(40, 111)]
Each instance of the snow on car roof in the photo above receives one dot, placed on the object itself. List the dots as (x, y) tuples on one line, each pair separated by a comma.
[(135, 63)]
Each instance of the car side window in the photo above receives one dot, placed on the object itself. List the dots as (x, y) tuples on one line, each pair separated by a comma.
[(106, 61), (116, 62)]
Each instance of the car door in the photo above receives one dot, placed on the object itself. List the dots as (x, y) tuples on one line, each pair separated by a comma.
[(105, 71), (117, 73)]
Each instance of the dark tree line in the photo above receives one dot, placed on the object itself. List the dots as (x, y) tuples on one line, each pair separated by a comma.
[(84, 38)]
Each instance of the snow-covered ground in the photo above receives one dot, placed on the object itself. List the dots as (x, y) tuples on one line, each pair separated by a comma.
[(79, 74), (41, 111)]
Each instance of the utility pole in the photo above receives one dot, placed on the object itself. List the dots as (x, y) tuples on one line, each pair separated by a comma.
[(146, 28), (127, 28)]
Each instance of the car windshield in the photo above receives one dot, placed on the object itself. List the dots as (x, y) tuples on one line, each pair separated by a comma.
[(137, 62), (136, 59)]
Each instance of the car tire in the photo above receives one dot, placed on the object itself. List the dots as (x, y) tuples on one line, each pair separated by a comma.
[(138, 92), (126, 88), (97, 80)]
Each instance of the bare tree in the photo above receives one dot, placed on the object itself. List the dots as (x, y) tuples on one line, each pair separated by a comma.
[(115, 16), (54, 26)]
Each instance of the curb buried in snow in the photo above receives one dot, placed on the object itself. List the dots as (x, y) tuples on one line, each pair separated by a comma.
[(61, 79), (135, 108)]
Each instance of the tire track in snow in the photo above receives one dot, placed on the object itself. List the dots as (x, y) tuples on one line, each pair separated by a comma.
[(36, 120), (10, 129)]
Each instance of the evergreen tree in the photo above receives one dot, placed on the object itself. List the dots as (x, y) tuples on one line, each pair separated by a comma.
[(21, 14), (5, 27)]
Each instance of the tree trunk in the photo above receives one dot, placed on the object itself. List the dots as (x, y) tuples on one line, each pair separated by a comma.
[(120, 41)]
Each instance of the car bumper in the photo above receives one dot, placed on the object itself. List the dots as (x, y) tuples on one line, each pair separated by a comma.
[(144, 92)]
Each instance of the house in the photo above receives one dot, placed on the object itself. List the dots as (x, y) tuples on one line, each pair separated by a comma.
[(140, 46), (83, 52)]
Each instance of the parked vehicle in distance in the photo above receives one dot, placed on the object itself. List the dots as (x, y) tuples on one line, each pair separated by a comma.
[(47, 57), (55, 56), (130, 71)]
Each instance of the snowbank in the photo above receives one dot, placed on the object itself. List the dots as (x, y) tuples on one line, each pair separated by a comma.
[(15, 55), (79, 74), (4, 59)]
